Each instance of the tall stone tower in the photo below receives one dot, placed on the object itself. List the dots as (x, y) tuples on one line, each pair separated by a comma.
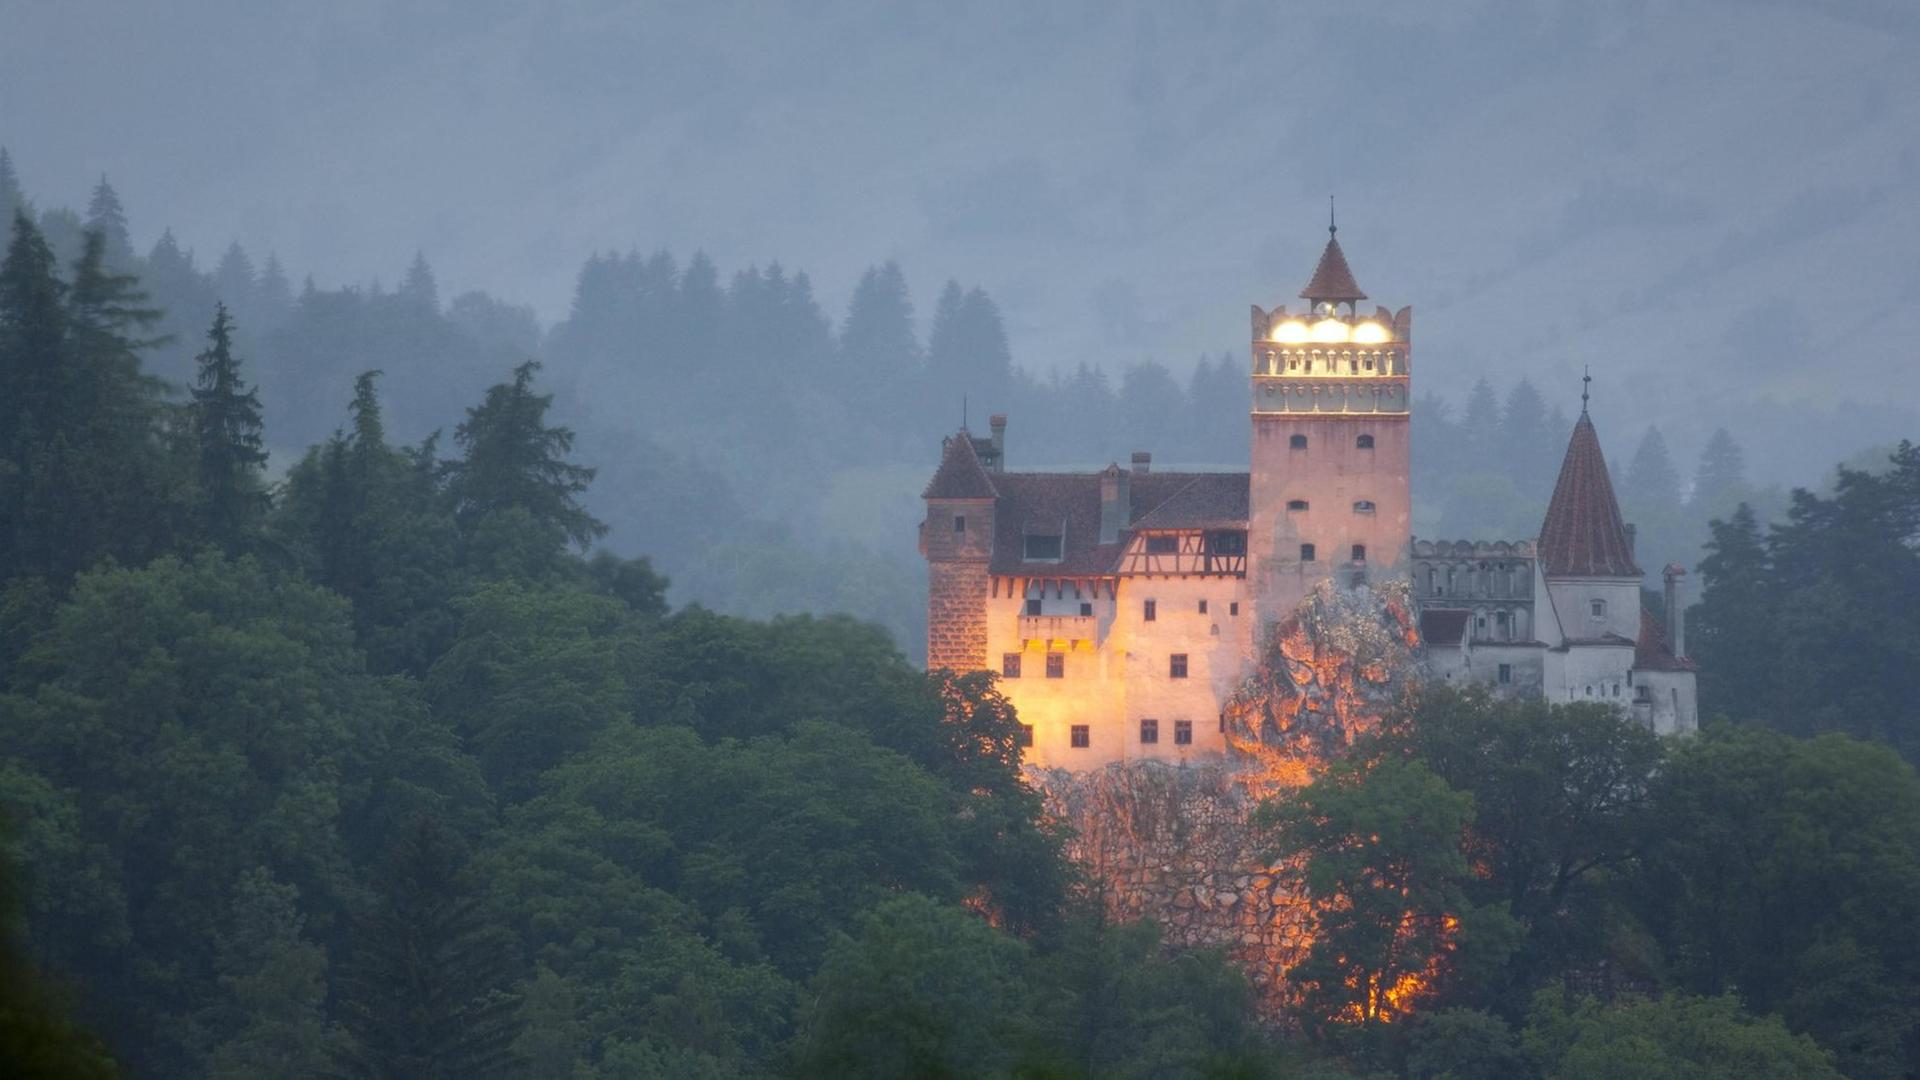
[(1329, 493), (957, 539)]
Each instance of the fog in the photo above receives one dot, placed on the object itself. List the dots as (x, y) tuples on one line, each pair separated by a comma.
[(1710, 204)]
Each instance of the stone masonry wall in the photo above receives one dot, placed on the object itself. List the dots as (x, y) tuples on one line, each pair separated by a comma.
[(957, 615)]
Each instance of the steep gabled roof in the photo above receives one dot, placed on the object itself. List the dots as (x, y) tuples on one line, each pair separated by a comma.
[(1651, 652), (1583, 535), (1202, 501), (960, 476), (1332, 280)]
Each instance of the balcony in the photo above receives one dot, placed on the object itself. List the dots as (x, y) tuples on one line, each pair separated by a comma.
[(1057, 627)]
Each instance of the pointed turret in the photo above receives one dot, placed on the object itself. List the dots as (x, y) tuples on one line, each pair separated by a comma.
[(1583, 535), (961, 475), (1332, 280)]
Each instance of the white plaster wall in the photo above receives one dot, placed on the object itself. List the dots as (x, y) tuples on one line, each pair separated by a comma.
[(1112, 684), (1674, 705), (1573, 597)]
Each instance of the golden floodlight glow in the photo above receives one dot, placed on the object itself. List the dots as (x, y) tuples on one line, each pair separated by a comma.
[(1331, 330), (1370, 333), (1291, 332)]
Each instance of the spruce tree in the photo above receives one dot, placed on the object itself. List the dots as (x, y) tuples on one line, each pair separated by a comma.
[(1731, 631), (1526, 443), (275, 294), (1722, 474), (35, 396), (1652, 480), (226, 426), (1480, 427), (271, 1019), (426, 992), (107, 217), (13, 200), (234, 280), (513, 461), (418, 288)]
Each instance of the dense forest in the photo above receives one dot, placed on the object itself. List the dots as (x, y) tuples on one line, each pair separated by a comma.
[(381, 764), (768, 459)]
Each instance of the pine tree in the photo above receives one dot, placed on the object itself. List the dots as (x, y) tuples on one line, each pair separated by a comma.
[(107, 217), (418, 288), (1732, 629), (1722, 474), (1652, 480), (13, 200), (879, 353), (234, 280), (35, 395), (513, 461), (426, 993), (1526, 443), (226, 426), (275, 294), (1480, 427)]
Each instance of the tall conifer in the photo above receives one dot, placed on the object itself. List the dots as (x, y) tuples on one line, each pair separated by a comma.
[(225, 415), (107, 217)]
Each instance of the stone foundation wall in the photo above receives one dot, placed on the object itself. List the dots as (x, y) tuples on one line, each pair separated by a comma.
[(1171, 843)]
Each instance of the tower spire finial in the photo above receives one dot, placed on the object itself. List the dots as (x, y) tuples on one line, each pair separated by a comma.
[(1586, 378), (1332, 225)]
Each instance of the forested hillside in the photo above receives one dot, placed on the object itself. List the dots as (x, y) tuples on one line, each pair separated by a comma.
[(382, 767)]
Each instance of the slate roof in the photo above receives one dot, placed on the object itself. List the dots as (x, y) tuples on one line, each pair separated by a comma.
[(1332, 280), (1068, 505), (1651, 652), (960, 475), (1583, 535)]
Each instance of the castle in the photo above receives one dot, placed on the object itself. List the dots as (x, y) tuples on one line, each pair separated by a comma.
[(1122, 608)]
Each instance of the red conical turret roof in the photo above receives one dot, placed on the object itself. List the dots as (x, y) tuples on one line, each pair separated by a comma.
[(960, 476), (1583, 535), (1332, 280)]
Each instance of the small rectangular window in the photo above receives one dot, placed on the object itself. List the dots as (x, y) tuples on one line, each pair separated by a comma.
[(1033, 605), (1297, 442), (1183, 733), (1149, 731), (1363, 506), (1203, 607), (1223, 723), (1506, 674), (1080, 736), (1010, 665), (1086, 609), (1177, 665), (1163, 545), (1149, 611), (1359, 553), (1026, 734), (1306, 552), (1056, 665), (1233, 608), (959, 523), (1599, 608)]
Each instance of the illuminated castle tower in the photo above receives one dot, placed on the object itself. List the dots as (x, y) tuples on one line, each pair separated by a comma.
[(1330, 465)]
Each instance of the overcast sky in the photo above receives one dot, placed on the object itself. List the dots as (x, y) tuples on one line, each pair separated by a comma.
[(1714, 197)]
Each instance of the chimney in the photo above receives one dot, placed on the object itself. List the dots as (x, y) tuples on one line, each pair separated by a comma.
[(1142, 462), (1116, 503), (998, 424), (1676, 610)]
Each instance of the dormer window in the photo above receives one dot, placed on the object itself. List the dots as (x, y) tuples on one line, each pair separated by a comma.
[(1042, 548)]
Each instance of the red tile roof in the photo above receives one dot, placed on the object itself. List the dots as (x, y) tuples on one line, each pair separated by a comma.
[(1583, 535), (960, 475), (1651, 652), (1332, 280), (1068, 505)]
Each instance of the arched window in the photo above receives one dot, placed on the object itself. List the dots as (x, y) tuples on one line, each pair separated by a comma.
[(1364, 506), (1297, 442), (1296, 504), (1364, 442)]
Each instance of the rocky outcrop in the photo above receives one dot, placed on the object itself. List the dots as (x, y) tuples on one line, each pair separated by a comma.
[(1176, 843)]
